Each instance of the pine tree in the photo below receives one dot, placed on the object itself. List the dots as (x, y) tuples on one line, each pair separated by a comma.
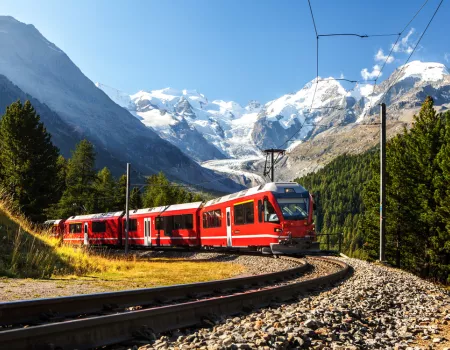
[(121, 193), (440, 243), (80, 193), (135, 199), (28, 160), (105, 189), (160, 191), (60, 187), (423, 146)]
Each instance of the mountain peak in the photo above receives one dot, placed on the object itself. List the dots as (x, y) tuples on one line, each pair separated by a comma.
[(426, 71)]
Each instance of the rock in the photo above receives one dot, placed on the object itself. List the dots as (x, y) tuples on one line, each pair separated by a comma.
[(310, 324)]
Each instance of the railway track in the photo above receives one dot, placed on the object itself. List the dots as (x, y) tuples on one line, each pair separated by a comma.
[(88, 321)]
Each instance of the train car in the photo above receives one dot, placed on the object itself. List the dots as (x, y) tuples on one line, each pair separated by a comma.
[(273, 218), (56, 227), (96, 229), (172, 225)]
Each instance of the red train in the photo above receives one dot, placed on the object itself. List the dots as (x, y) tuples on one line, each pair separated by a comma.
[(273, 218)]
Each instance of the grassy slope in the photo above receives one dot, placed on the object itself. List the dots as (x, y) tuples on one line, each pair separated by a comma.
[(27, 253)]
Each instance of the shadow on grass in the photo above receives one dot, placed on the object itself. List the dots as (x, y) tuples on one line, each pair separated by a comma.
[(25, 255)]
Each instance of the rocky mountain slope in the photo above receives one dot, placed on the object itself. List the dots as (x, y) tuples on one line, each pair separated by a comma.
[(41, 70), (410, 86)]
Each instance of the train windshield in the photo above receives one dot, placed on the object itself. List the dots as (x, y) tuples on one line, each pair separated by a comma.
[(294, 208)]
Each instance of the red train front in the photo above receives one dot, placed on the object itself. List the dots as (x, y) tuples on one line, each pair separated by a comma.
[(273, 218)]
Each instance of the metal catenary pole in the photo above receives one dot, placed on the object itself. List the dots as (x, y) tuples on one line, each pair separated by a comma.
[(382, 181), (272, 168), (127, 211)]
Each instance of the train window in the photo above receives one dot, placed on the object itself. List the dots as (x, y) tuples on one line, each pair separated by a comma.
[(168, 225), (159, 223), (269, 213), (260, 211), (133, 224), (249, 213), (244, 213), (238, 215), (75, 228), (188, 221), (98, 226), (212, 218), (178, 222)]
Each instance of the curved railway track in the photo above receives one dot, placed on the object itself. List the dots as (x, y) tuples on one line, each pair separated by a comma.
[(88, 321)]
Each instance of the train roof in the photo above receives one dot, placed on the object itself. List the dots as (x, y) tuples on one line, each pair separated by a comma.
[(276, 187), (96, 216), (166, 208), (53, 222)]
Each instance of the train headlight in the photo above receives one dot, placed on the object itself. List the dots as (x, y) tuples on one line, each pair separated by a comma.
[(278, 230)]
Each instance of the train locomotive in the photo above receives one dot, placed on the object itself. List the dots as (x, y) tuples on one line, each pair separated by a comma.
[(275, 218)]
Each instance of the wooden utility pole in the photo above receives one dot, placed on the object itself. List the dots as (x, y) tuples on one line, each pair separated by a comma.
[(127, 210), (382, 181)]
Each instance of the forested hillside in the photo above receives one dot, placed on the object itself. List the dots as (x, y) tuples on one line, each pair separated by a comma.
[(338, 191), (417, 195)]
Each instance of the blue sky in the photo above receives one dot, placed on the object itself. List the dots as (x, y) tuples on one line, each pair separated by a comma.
[(232, 50)]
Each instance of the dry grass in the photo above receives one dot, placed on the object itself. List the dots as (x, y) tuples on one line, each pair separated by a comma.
[(28, 251)]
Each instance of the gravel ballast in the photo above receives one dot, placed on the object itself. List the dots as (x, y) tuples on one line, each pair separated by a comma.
[(254, 264), (375, 308)]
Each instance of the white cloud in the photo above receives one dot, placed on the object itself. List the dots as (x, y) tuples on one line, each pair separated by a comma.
[(404, 45), (371, 75), (366, 89), (342, 76), (447, 57), (380, 56)]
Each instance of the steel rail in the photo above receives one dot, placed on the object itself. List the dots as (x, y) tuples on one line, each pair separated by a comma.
[(112, 329), (40, 310)]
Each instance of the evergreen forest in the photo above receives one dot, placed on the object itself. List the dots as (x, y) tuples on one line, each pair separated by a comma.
[(417, 198)]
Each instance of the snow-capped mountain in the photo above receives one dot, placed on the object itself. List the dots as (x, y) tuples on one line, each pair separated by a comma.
[(187, 118), (202, 129), (41, 70), (240, 133)]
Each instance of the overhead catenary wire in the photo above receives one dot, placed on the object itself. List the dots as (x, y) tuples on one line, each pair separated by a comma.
[(365, 81), (362, 36), (317, 53), (348, 80), (413, 50), (393, 47)]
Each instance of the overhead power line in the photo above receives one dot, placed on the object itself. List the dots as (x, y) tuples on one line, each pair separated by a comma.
[(363, 36), (393, 47), (317, 80), (412, 52), (317, 53), (348, 80)]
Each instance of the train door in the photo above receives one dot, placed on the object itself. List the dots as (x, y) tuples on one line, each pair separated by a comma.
[(86, 236), (229, 243), (147, 232)]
